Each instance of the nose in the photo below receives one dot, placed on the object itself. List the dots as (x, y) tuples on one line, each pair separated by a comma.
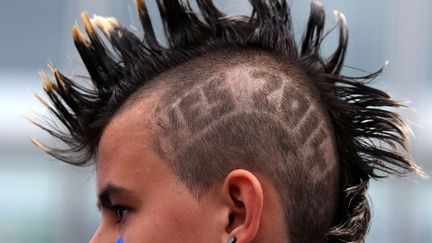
[(103, 236), (97, 235)]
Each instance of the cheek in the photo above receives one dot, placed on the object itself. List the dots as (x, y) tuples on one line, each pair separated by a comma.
[(173, 218)]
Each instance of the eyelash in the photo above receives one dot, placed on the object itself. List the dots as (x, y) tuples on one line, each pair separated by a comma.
[(121, 212)]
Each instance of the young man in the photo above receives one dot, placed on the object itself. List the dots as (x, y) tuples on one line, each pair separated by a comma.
[(230, 133)]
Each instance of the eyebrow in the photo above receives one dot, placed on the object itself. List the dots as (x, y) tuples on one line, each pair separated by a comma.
[(110, 191)]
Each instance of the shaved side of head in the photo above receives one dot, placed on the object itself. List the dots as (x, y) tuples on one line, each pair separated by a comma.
[(247, 109)]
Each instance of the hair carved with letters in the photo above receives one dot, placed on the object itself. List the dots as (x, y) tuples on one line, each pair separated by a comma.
[(238, 91)]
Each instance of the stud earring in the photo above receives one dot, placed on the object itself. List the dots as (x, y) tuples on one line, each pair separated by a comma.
[(232, 240)]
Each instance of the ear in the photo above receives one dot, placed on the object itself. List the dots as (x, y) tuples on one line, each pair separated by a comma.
[(244, 197)]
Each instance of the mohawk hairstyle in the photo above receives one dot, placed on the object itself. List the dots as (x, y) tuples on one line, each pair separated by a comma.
[(367, 135)]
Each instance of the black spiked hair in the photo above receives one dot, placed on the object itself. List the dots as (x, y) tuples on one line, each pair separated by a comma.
[(367, 134)]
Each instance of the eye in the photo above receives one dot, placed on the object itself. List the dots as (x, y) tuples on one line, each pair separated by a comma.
[(121, 212)]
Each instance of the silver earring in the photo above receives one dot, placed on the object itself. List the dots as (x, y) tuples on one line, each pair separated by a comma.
[(232, 240)]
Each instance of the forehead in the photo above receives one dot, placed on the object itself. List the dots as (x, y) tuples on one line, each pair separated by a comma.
[(133, 122), (126, 147)]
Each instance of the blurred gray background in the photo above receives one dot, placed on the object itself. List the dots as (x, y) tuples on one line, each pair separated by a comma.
[(44, 201)]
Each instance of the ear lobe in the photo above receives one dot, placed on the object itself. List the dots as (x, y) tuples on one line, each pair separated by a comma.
[(244, 195)]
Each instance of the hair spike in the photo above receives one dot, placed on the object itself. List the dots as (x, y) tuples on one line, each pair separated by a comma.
[(182, 26), (273, 27), (149, 34), (106, 25), (315, 28), (88, 26), (37, 143), (79, 37), (127, 44), (335, 63), (95, 56), (211, 14), (220, 25)]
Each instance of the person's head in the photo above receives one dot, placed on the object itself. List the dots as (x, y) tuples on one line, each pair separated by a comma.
[(228, 130)]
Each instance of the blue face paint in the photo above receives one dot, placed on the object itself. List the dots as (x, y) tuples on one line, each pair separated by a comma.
[(119, 240)]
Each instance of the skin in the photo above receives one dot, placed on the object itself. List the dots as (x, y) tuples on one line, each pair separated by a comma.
[(158, 206)]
